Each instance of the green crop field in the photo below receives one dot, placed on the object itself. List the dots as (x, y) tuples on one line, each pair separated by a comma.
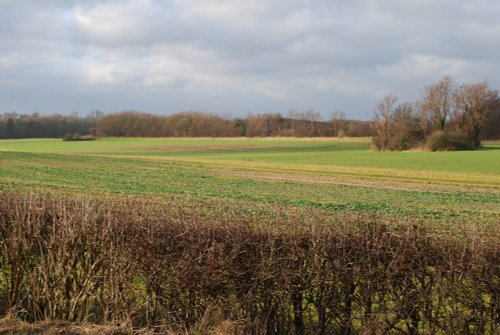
[(324, 235), (329, 174)]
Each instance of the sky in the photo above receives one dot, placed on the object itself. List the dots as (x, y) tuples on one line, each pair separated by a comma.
[(239, 57)]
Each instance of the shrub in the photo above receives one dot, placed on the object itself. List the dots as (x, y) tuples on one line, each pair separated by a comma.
[(68, 137), (444, 141), (77, 137)]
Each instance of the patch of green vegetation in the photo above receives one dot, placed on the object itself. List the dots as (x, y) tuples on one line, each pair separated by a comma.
[(350, 152), (93, 174)]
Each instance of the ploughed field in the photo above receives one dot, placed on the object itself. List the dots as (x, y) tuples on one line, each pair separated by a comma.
[(248, 236)]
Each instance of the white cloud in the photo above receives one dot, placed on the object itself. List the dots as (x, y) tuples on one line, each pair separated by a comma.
[(115, 23)]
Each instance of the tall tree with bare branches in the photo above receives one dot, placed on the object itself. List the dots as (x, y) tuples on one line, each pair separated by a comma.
[(437, 104), (382, 125), (472, 103)]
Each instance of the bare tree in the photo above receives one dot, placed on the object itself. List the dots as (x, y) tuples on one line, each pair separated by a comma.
[(473, 103), (409, 134), (437, 104), (382, 126)]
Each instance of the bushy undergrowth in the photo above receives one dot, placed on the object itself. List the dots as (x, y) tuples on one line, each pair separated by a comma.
[(78, 137), (264, 271), (443, 141)]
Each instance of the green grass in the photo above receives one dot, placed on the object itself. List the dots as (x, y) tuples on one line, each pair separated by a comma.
[(350, 152), (337, 175)]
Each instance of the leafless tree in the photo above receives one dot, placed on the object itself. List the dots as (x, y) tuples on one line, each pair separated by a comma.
[(473, 102), (437, 104), (382, 125)]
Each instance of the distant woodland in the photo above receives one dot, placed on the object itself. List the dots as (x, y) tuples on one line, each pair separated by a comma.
[(448, 117), (183, 124)]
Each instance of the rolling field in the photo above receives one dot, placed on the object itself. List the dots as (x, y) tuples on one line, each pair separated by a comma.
[(330, 174), (248, 236)]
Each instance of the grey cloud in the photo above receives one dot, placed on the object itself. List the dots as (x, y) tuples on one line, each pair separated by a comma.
[(257, 56)]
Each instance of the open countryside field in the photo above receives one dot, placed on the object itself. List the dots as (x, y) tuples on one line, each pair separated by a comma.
[(331, 174), (247, 236)]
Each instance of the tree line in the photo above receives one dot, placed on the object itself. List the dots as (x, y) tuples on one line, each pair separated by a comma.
[(183, 124), (13, 125), (447, 117)]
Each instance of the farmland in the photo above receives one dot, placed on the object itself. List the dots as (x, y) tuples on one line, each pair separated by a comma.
[(254, 236), (330, 174)]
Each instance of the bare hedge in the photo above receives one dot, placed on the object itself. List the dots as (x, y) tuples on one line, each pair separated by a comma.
[(283, 271)]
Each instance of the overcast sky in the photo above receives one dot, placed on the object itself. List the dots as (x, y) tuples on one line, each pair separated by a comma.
[(239, 57)]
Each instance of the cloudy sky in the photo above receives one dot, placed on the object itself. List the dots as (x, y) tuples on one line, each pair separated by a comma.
[(236, 57)]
